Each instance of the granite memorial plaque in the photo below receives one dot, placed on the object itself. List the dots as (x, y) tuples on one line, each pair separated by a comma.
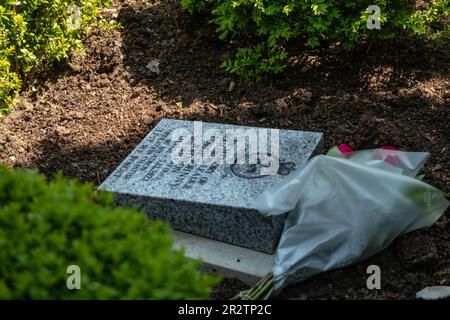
[(203, 178)]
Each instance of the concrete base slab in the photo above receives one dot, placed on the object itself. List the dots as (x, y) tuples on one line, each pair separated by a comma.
[(224, 259)]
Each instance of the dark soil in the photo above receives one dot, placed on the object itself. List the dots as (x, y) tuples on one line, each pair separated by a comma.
[(83, 119)]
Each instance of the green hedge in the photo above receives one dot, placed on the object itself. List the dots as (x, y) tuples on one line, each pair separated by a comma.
[(47, 226), (264, 28), (35, 33)]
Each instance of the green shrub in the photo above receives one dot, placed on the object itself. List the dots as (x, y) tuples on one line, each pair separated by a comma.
[(266, 27), (46, 227), (9, 85), (35, 33)]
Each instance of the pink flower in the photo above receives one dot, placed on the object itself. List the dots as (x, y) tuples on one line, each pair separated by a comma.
[(389, 158), (343, 148), (389, 148)]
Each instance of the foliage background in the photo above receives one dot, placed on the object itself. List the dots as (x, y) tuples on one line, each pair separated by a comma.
[(264, 29), (46, 227), (36, 33)]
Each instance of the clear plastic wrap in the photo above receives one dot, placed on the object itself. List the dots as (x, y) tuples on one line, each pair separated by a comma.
[(345, 209)]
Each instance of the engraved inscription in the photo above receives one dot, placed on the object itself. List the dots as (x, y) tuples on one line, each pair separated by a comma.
[(148, 161)]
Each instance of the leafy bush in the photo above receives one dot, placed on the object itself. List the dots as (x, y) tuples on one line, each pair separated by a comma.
[(266, 27), (9, 85), (46, 227), (35, 33)]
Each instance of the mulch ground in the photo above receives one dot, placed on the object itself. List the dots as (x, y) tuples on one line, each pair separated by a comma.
[(84, 118)]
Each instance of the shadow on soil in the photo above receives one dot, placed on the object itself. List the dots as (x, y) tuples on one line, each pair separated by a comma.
[(190, 54)]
